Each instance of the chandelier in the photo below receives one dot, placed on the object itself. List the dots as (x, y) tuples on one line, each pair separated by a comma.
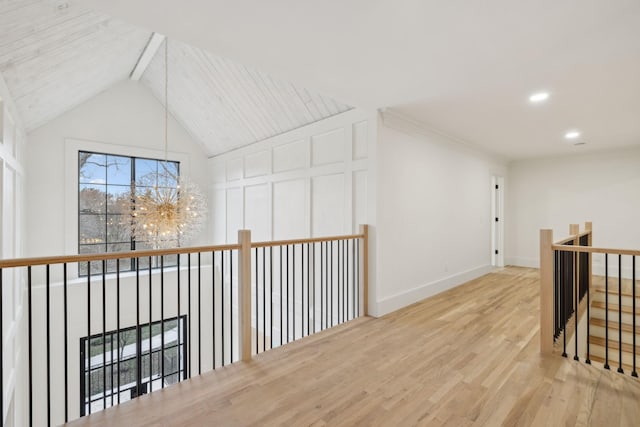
[(171, 209)]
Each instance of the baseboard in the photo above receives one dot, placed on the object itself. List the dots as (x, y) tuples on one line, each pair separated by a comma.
[(403, 299), (523, 262)]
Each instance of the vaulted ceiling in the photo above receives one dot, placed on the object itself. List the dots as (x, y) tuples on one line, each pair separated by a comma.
[(463, 67), (56, 54), (225, 104)]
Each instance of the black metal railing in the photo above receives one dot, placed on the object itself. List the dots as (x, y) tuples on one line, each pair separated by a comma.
[(564, 265), (96, 341), (302, 288), (95, 312), (573, 271)]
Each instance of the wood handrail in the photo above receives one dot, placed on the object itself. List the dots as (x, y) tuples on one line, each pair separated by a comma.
[(573, 237), (302, 241), (61, 259), (590, 249)]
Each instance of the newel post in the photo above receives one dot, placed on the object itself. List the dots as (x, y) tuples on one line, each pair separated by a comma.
[(244, 294), (546, 291), (364, 268)]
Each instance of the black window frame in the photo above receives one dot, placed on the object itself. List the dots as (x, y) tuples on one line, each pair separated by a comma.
[(141, 387), (96, 267)]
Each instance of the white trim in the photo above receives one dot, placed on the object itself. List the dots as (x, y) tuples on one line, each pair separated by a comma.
[(519, 261), (400, 300), (398, 121)]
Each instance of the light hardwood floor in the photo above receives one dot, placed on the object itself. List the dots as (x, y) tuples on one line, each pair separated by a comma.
[(468, 356)]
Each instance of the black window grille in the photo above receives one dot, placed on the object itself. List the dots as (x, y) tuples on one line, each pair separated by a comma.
[(109, 366), (107, 187)]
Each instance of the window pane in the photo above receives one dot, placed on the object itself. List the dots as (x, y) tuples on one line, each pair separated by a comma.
[(92, 229), (92, 198), (167, 174), (118, 199), (92, 168), (119, 229), (119, 170), (146, 172), (96, 266)]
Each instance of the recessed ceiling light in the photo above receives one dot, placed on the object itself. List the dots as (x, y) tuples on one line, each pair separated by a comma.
[(539, 97), (572, 134)]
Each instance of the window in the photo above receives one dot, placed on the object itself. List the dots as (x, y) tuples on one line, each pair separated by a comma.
[(109, 372), (107, 185)]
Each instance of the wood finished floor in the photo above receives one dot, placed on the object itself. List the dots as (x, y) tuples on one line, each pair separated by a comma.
[(466, 357)]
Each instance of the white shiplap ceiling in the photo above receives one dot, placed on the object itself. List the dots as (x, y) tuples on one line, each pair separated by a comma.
[(225, 104), (56, 54)]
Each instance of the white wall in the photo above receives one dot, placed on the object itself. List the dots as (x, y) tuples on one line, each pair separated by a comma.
[(126, 119), (12, 226), (318, 180), (554, 192), (434, 211), (310, 182)]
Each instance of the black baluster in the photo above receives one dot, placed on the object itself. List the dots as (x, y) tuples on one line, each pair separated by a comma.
[(357, 259), (308, 288), (293, 286), (576, 285), (2, 347), (48, 314), (264, 300), (189, 326), (313, 285), (179, 323), (606, 311), (89, 326), (347, 277), (199, 315), (66, 341), (354, 243), (620, 370), (634, 373), (231, 306), (327, 291), (256, 301), (213, 310), (138, 332), (150, 328), (104, 336), (117, 330), (588, 291), (287, 283), (281, 300), (345, 303), (331, 285), (30, 333), (222, 307), (339, 284), (322, 315), (162, 321), (563, 303), (271, 291), (555, 295)]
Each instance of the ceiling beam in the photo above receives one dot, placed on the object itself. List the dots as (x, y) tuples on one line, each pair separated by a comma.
[(147, 55)]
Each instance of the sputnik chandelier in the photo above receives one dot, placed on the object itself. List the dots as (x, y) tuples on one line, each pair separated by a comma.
[(171, 209)]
